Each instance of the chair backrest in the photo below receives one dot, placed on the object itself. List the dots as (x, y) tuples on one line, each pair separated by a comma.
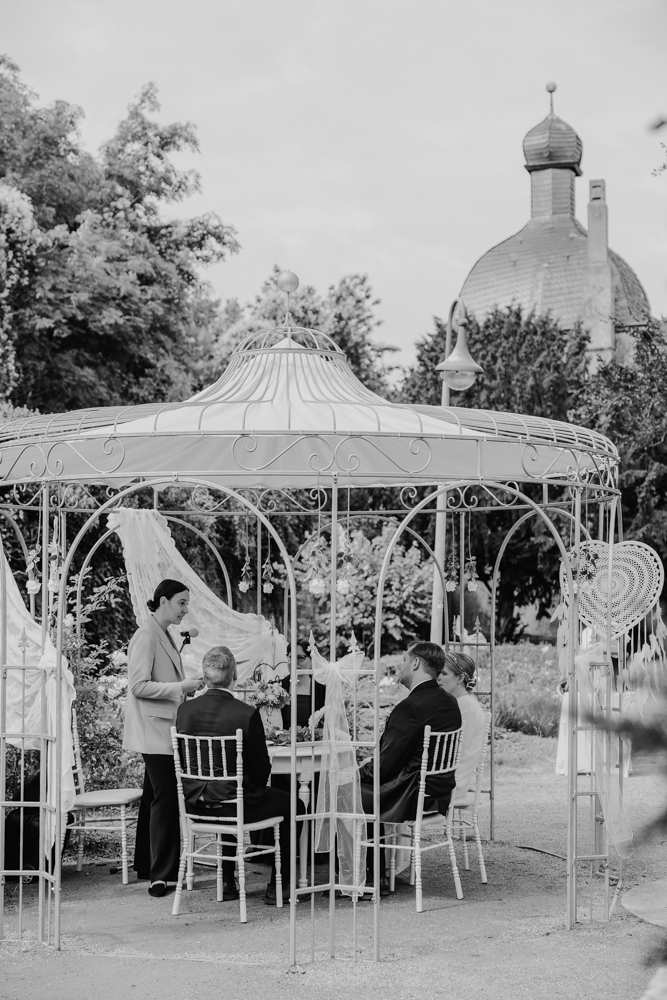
[(77, 770), (214, 759), (440, 755)]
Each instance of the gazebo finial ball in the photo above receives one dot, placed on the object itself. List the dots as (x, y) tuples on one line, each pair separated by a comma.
[(288, 281), (551, 87)]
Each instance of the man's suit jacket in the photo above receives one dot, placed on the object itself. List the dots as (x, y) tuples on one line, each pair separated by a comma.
[(219, 713), (401, 749), (154, 675)]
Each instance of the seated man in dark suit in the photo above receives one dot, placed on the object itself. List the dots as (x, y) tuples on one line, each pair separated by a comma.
[(218, 713), (402, 744)]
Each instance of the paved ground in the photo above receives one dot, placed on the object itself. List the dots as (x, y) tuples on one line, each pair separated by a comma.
[(503, 940)]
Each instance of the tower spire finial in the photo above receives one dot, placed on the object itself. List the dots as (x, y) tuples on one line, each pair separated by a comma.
[(550, 90)]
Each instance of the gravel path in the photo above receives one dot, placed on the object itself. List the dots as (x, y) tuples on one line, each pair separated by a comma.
[(503, 940)]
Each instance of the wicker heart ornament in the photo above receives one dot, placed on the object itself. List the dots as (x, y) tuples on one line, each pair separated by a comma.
[(637, 577)]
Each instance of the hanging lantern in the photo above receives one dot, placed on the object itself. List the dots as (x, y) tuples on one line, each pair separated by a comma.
[(459, 371)]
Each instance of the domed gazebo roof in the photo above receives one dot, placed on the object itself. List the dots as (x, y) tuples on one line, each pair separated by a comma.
[(287, 411)]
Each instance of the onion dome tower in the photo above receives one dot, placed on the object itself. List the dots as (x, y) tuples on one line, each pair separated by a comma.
[(553, 265)]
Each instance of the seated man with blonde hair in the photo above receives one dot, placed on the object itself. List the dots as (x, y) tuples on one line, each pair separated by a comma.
[(218, 713)]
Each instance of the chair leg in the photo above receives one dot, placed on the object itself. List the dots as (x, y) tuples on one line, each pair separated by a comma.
[(190, 880), (418, 872), (185, 858), (80, 839), (464, 844), (123, 844), (279, 874), (452, 858), (392, 863), (218, 877), (240, 860), (478, 842), (412, 857)]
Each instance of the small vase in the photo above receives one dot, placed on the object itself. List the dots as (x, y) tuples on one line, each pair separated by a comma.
[(271, 717)]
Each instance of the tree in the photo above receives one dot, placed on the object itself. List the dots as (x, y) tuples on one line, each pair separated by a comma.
[(532, 366), (19, 238), (112, 291), (629, 405)]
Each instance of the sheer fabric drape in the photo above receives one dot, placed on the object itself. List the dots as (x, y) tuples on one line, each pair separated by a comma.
[(23, 693), (151, 556)]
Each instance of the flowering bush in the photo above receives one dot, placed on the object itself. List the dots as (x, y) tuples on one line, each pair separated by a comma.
[(100, 681)]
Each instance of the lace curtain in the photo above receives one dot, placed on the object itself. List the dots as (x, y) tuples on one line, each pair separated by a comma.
[(151, 556)]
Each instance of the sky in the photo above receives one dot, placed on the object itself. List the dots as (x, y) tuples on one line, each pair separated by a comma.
[(373, 136)]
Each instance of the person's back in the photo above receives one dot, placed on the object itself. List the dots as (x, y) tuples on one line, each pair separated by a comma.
[(219, 713)]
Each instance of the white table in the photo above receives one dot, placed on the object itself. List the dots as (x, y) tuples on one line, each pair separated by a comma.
[(308, 761)]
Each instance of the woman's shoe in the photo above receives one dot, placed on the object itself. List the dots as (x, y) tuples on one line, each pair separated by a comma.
[(158, 888)]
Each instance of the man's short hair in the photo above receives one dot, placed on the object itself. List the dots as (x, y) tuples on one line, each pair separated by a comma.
[(431, 655), (218, 667)]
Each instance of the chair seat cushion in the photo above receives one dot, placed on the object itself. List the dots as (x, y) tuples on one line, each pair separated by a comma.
[(107, 797), (229, 826)]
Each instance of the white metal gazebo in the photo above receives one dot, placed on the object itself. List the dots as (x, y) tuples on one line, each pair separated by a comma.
[(289, 414)]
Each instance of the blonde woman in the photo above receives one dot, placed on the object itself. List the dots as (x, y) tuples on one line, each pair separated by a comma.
[(458, 679)]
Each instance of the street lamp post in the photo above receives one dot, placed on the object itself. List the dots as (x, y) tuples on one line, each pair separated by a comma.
[(458, 371)]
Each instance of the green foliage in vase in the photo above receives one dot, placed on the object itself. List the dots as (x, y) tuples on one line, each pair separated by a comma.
[(406, 599)]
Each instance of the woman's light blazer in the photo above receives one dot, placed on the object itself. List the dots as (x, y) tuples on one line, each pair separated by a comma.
[(155, 672)]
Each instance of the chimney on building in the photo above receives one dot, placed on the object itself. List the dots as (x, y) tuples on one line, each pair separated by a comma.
[(599, 309)]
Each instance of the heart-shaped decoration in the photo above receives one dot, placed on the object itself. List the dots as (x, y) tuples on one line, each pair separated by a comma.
[(637, 578)]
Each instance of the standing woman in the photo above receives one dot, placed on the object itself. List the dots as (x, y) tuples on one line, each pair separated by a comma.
[(458, 678), (155, 688)]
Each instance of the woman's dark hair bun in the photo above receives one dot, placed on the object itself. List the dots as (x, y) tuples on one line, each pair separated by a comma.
[(166, 589)]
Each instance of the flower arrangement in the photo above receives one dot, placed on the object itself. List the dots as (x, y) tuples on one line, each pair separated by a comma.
[(244, 585), (471, 571), (267, 576), (269, 694), (451, 573), (584, 560)]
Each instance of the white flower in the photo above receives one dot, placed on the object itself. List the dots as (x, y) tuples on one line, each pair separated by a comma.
[(451, 586), (33, 586), (472, 585), (244, 586), (316, 586), (52, 586), (343, 586), (267, 588), (68, 621), (119, 658)]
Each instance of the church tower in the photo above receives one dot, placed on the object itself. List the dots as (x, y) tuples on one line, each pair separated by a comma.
[(553, 265)]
